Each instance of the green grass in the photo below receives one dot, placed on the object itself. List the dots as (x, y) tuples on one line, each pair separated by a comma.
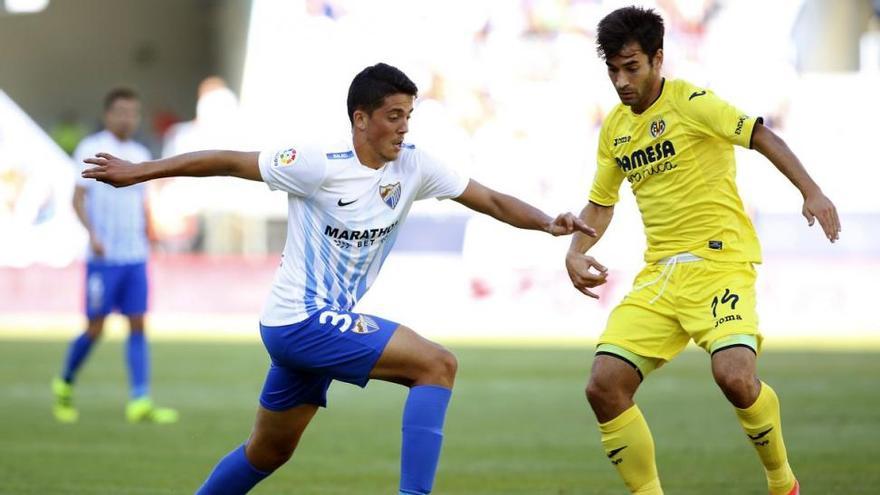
[(518, 425)]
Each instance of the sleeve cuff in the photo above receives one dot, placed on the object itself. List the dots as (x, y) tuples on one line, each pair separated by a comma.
[(758, 120)]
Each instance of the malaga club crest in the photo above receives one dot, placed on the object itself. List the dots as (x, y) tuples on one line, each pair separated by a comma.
[(658, 127), (390, 194), (365, 324)]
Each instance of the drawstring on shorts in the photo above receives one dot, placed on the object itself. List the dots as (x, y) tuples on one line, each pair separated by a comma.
[(668, 263)]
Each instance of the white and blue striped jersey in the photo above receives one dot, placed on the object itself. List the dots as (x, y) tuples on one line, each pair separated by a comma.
[(343, 219), (117, 215)]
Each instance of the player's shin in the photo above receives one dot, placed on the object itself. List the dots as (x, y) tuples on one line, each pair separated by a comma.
[(423, 417), (233, 475), (630, 448), (76, 355), (137, 358), (762, 423)]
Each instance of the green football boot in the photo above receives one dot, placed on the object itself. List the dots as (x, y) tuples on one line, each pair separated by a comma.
[(142, 410), (63, 408)]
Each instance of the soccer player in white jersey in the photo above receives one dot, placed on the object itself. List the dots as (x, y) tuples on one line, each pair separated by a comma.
[(116, 270), (346, 205)]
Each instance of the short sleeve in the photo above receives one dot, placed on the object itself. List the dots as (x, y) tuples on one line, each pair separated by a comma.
[(606, 182), (715, 117), (438, 180), (296, 171)]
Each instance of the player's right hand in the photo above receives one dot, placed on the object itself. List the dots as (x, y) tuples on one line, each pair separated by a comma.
[(97, 246), (581, 271), (818, 206), (111, 170)]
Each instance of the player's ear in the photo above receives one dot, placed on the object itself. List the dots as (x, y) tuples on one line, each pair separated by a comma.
[(360, 120), (657, 61)]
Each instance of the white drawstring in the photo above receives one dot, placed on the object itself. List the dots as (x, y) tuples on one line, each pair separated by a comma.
[(668, 267)]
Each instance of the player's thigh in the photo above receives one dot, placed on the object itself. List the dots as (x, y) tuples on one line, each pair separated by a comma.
[(338, 344), (132, 293), (718, 305), (102, 282), (411, 359)]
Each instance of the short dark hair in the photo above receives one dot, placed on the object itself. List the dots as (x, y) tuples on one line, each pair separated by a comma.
[(627, 24), (120, 93), (370, 87)]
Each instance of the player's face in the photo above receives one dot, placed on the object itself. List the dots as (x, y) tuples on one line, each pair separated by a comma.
[(635, 79), (123, 117), (387, 125)]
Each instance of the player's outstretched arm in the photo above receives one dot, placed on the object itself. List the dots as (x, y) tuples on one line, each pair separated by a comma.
[(120, 173), (584, 271), (816, 204), (518, 213)]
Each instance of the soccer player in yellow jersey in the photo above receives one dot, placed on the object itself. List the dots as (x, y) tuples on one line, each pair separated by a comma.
[(673, 142)]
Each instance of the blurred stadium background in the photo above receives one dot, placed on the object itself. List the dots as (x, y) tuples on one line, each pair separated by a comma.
[(512, 94)]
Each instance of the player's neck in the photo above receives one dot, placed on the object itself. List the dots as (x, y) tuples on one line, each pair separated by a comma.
[(366, 155), (653, 96)]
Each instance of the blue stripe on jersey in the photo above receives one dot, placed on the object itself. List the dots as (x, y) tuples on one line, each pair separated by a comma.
[(359, 273), (323, 252), (340, 155), (386, 249), (311, 281)]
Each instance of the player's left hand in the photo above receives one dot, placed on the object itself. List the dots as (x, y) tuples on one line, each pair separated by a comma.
[(569, 223), (817, 206), (111, 170)]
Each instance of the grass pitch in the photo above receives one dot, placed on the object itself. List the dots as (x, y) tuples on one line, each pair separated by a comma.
[(518, 424)]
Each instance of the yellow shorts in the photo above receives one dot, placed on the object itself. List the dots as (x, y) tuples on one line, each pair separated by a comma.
[(681, 298)]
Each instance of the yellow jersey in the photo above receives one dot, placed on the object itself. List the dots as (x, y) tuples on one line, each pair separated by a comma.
[(678, 157)]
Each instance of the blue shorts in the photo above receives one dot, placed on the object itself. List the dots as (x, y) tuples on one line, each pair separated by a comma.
[(115, 287), (328, 345)]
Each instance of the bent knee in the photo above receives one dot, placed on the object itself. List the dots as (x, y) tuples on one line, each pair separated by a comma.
[(740, 388), (269, 455), (599, 392), (440, 368)]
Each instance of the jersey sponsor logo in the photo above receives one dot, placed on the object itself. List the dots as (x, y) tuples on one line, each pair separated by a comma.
[(345, 203), (340, 155), (658, 127), (716, 245), (345, 238), (696, 94), (739, 124), (390, 194), (408, 146), (647, 156), (286, 157), (622, 140)]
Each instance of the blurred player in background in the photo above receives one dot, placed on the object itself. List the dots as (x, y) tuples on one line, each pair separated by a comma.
[(673, 143), (116, 267), (346, 204)]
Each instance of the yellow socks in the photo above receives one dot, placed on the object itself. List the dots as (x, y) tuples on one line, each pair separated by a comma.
[(763, 425), (629, 446)]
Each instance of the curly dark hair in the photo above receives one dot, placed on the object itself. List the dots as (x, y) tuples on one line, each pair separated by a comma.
[(627, 24)]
